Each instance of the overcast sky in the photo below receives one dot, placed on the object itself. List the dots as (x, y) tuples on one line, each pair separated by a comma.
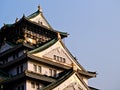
[(94, 28)]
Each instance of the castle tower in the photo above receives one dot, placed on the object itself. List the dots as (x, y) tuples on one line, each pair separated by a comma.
[(34, 57)]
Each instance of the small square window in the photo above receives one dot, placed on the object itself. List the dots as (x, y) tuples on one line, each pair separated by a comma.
[(58, 58), (35, 67), (55, 57), (50, 71), (64, 60), (54, 73), (61, 59), (39, 69)]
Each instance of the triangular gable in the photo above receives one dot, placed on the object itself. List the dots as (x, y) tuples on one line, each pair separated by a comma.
[(58, 53), (74, 82), (5, 46), (69, 81), (39, 18)]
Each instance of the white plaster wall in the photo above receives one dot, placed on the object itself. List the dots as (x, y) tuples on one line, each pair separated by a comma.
[(60, 53), (29, 87), (41, 19), (85, 80), (51, 49), (44, 71), (55, 49)]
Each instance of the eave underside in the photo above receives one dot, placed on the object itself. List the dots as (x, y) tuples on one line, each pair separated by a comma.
[(28, 74)]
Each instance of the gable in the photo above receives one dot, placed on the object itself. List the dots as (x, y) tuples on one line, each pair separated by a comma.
[(58, 53), (74, 82), (40, 20)]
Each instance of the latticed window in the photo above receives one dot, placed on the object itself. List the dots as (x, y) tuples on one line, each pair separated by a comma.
[(64, 60), (55, 57), (60, 59), (52, 72), (35, 67), (39, 69)]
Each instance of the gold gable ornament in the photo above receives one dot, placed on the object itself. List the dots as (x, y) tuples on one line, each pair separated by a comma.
[(59, 37), (74, 67)]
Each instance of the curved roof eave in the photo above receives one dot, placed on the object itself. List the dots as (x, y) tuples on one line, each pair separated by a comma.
[(43, 47)]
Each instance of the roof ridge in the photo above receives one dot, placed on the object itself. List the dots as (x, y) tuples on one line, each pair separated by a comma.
[(33, 14)]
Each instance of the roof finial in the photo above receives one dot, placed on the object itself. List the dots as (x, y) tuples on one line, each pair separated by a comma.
[(39, 8), (16, 20), (4, 24)]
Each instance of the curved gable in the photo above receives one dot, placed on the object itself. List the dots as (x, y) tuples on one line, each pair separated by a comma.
[(58, 53)]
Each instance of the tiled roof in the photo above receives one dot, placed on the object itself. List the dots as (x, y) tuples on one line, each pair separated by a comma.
[(3, 74), (30, 75), (61, 79), (33, 15), (87, 73), (64, 76), (43, 47), (92, 88)]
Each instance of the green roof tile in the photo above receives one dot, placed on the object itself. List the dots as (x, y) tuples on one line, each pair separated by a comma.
[(43, 47), (34, 14)]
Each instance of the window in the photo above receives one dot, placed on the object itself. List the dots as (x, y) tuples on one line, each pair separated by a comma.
[(37, 86), (50, 71), (35, 67), (32, 84), (64, 60), (53, 73), (39, 69), (60, 59), (54, 57)]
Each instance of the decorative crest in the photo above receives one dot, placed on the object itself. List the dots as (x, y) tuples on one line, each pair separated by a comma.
[(59, 37)]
